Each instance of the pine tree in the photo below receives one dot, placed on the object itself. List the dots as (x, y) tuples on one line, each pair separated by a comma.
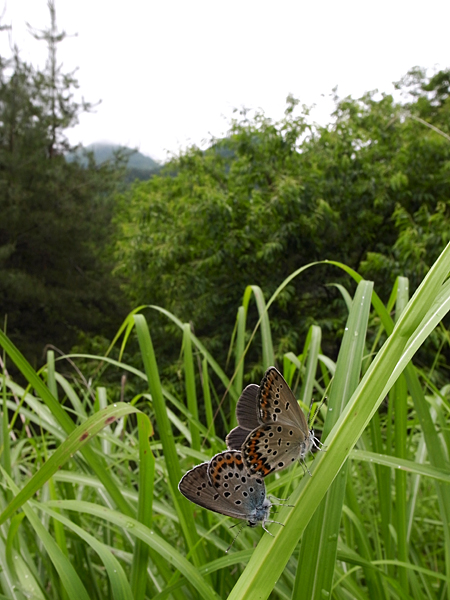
[(55, 215)]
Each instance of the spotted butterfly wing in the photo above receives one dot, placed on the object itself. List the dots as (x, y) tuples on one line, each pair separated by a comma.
[(247, 411), (197, 488), (277, 403), (247, 415), (284, 436), (224, 486)]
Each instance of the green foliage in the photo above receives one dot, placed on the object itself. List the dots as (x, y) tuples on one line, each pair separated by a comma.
[(55, 221), (370, 190), (90, 506)]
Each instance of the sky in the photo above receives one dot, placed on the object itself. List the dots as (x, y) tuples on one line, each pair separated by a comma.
[(169, 73)]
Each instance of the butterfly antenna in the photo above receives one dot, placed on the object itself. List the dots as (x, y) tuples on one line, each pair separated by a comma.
[(235, 537), (279, 500)]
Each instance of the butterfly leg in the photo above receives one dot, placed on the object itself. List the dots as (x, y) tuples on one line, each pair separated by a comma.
[(318, 444), (277, 522), (305, 467)]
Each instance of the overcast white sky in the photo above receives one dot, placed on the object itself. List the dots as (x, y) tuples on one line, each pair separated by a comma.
[(170, 72)]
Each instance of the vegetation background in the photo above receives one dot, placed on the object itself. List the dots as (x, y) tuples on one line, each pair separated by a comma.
[(250, 253)]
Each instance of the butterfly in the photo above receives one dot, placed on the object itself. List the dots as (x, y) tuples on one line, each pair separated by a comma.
[(279, 434), (224, 485)]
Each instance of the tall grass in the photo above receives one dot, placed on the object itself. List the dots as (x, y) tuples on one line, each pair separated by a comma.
[(90, 506)]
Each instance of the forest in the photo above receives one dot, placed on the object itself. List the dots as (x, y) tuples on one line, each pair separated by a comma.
[(135, 313)]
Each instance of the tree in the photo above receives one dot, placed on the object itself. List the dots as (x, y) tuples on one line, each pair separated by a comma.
[(272, 197), (56, 215)]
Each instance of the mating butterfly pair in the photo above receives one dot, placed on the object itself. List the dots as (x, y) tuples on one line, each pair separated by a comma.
[(273, 432), (271, 435)]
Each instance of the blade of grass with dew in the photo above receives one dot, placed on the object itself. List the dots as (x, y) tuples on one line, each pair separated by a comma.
[(317, 556), (76, 440), (156, 542), (51, 379), (102, 401), (4, 429), (17, 569), (399, 395), (64, 421), (239, 354), (145, 505), (209, 413), (268, 358), (312, 349), (261, 573), (182, 505), (400, 464), (191, 393)]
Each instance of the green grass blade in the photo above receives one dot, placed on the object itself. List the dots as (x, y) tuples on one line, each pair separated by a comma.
[(145, 506), (69, 578), (312, 345), (399, 396), (4, 429), (401, 464), (191, 393), (266, 336), (63, 419), (156, 542), (120, 587), (182, 505), (76, 440), (209, 413), (211, 361), (262, 571), (319, 545)]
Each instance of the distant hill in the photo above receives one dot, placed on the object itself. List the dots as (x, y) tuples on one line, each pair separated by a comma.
[(139, 165)]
